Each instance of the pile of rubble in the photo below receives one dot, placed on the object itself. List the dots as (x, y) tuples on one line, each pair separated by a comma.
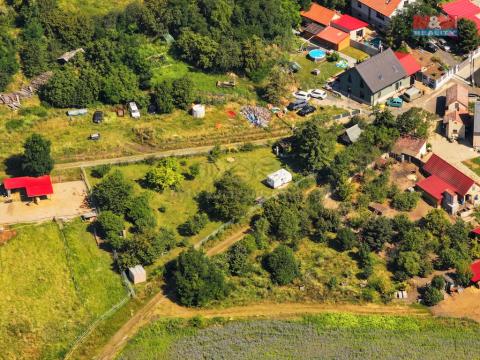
[(12, 100), (256, 115)]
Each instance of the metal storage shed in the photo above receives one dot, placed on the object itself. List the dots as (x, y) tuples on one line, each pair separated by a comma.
[(137, 274)]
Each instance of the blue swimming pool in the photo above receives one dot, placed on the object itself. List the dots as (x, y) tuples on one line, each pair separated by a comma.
[(375, 42), (316, 54)]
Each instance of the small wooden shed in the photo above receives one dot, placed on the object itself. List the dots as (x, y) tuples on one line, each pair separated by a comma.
[(137, 274)]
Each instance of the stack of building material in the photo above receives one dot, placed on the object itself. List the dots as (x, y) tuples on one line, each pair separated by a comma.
[(256, 115)]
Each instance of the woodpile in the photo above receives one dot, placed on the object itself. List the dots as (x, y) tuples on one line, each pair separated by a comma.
[(12, 100)]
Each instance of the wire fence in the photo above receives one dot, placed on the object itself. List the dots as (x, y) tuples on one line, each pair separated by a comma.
[(93, 326)]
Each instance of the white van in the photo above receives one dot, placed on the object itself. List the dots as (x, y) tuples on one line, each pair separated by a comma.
[(411, 94), (133, 109)]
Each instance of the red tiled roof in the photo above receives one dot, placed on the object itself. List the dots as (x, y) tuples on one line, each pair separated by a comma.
[(39, 186), (332, 35), (383, 7), (463, 9), (409, 63), (349, 23), (458, 181), (475, 267), (319, 14), (434, 186), (408, 145)]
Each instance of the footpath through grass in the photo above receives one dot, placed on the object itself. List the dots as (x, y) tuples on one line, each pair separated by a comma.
[(52, 289), (324, 336)]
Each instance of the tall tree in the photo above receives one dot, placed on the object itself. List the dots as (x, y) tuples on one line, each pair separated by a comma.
[(231, 198), (315, 145), (37, 160), (468, 38), (113, 193), (197, 279)]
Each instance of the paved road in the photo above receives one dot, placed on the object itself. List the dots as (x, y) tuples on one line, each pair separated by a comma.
[(158, 154)]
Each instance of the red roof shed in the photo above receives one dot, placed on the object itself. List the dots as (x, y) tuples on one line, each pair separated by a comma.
[(475, 267), (40, 186)]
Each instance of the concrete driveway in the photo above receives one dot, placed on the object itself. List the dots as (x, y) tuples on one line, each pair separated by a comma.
[(454, 153), (68, 200)]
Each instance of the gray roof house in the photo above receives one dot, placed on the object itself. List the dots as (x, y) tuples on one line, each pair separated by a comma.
[(375, 80), (352, 134), (476, 126)]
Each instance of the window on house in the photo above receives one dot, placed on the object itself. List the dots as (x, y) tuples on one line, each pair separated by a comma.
[(362, 95), (349, 79), (362, 85), (359, 4), (380, 16)]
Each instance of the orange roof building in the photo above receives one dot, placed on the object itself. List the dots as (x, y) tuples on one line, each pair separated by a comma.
[(334, 38), (377, 12), (320, 15)]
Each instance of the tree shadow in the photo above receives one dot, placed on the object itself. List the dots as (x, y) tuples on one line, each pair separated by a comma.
[(13, 165)]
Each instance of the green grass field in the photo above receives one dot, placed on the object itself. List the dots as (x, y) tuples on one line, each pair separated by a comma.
[(52, 289), (474, 164), (324, 336), (308, 81), (355, 53), (253, 167)]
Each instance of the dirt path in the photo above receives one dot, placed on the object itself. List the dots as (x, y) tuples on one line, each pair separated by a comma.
[(227, 243), (159, 154), (159, 301), (269, 309)]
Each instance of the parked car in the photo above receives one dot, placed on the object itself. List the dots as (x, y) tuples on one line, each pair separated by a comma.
[(301, 95), (411, 94), (395, 102), (133, 108), (442, 44), (431, 46), (97, 117), (306, 110), (295, 105), (95, 137), (318, 94)]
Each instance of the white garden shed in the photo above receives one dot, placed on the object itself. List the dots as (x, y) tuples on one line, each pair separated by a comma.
[(279, 178), (137, 274)]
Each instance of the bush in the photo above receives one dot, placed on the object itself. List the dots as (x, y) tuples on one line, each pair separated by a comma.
[(164, 176), (346, 239), (141, 214), (230, 200), (100, 171), (113, 193), (333, 57), (463, 274), (193, 225), (282, 265), (193, 171), (197, 280), (237, 257), (405, 201), (110, 227), (432, 296), (438, 282)]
